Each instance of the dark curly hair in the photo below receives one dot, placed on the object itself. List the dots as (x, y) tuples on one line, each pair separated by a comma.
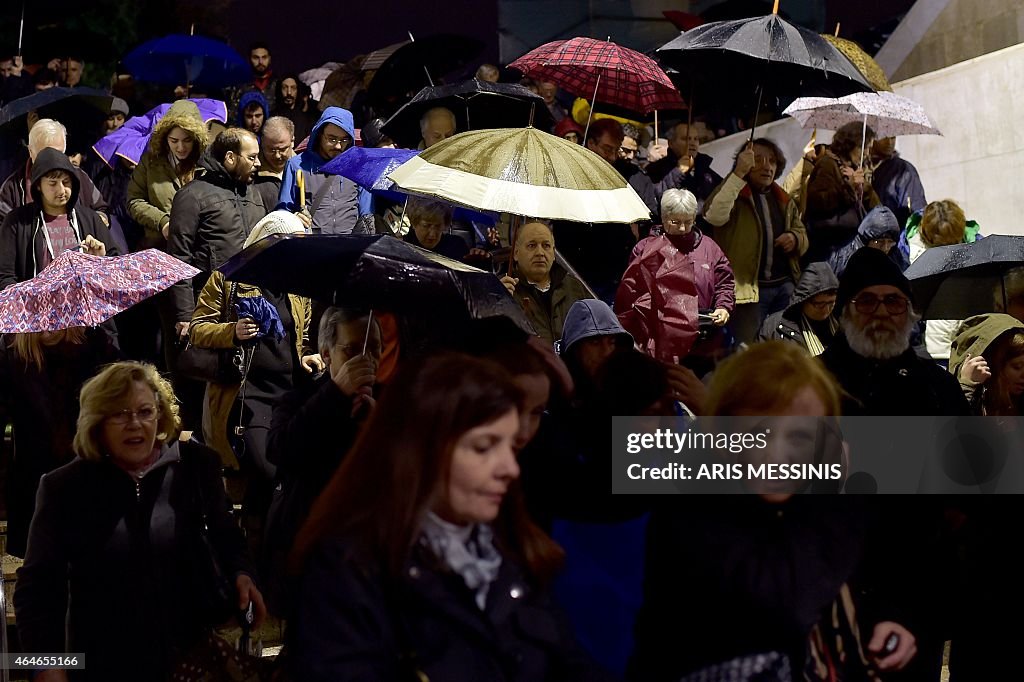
[(780, 158), (848, 138)]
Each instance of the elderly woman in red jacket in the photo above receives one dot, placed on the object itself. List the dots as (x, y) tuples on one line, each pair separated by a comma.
[(671, 279)]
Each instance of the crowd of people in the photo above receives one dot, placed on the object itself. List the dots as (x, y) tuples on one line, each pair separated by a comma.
[(400, 479)]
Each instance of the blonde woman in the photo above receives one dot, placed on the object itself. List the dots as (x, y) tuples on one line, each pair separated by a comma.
[(41, 374), (122, 545)]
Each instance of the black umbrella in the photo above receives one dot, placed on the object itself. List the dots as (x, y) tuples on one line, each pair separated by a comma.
[(764, 53), (956, 282), (476, 104), (53, 101), (419, 64), (376, 271)]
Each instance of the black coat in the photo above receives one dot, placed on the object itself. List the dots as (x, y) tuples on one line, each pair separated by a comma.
[(124, 562), (701, 179), (310, 432), (907, 385), (735, 576), (353, 625), (44, 411), (21, 235), (817, 278), (210, 219)]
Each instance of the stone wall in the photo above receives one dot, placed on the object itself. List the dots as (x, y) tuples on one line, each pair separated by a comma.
[(964, 29)]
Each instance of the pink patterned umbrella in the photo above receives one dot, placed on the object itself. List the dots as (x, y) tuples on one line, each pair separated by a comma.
[(78, 290)]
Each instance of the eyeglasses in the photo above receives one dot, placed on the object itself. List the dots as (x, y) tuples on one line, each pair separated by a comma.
[(680, 223), (279, 151), (868, 304), (145, 414), (626, 151), (822, 305), (337, 141)]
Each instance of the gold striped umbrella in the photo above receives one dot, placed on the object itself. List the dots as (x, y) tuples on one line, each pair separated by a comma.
[(525, 172), (868, 67)]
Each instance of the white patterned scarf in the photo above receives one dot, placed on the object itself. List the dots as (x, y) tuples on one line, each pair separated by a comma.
[(467, 550)]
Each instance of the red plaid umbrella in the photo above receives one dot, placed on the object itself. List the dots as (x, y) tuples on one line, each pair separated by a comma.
[(78, 290), (619, 76)]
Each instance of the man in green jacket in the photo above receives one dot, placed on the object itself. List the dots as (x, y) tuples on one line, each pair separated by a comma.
[(544, 289), (760, 231)]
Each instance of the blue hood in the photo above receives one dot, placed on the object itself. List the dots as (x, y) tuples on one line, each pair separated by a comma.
[(339, 117), (879, 221), (247, 99), (590, 317)]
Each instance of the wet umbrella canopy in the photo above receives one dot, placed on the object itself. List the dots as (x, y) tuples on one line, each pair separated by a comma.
[(524, 172), (79, 290), (67, 103), (783, 58), (956, 282), (476, 104), (132, 139), (374, 271), (176, 59)]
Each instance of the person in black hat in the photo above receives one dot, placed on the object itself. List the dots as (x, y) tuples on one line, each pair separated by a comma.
[(872, 358)]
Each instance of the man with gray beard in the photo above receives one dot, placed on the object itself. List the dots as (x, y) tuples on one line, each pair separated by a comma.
[(872, 358)]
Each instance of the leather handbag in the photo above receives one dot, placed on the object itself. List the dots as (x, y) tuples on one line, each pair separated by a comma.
[(215, 365)]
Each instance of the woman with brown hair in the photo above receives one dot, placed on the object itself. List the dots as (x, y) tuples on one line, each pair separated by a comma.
[(41, 374), (177, 142), (418, 561), (839, 192)]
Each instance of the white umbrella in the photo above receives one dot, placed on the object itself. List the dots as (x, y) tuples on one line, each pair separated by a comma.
[(315, 78), (888, 114), (525, 172)]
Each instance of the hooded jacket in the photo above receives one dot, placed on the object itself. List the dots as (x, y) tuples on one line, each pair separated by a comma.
[(210, 219), (154, 181), (878, 223), (342, 205), (13, 194), (973, 338), (669, 280), (590, 317), (22, 236), (817, 278), (247, 99)]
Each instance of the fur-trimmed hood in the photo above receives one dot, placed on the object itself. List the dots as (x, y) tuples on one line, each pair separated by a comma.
[(185, 115)]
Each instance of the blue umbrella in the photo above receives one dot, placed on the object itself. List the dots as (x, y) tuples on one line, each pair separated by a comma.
[(176, 59), (370, 167)]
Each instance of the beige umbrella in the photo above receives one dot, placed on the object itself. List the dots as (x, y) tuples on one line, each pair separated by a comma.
[(524, 172)]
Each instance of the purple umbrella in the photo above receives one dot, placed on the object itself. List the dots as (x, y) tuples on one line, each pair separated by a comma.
[(132, 139), (79, 290)]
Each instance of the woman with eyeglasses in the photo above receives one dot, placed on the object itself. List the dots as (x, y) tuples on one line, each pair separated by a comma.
[(678, 291), (808, 320), (123, 543), (41, 374)]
